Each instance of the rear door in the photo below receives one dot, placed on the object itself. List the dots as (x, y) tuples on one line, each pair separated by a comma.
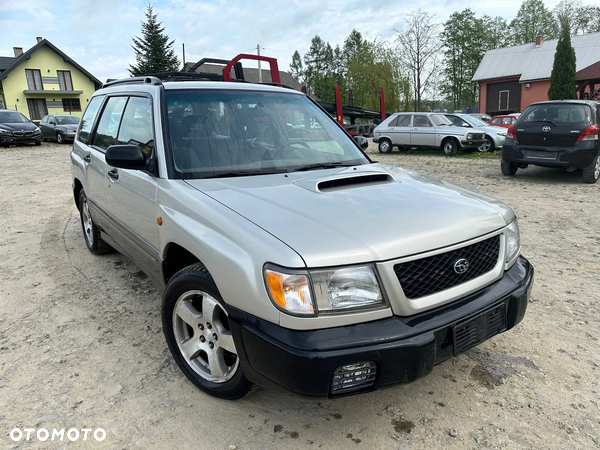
[(399, 130), (422, 133)]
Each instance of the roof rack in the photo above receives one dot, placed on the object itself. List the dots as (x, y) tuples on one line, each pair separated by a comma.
[(134, 80)]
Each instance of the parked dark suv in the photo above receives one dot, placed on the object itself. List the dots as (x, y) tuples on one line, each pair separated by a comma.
[(555, 134)]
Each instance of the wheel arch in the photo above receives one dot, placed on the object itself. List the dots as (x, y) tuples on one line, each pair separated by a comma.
[(77, 188), (454, 138), (177, 258)]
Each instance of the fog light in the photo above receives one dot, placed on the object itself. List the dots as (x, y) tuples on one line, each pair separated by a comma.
[(353, 377)]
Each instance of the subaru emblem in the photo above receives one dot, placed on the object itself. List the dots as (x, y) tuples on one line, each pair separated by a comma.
[(546, 129), (461, 266)]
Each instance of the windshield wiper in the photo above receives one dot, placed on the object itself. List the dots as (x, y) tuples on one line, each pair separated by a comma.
[(324, 165), (244, 173)]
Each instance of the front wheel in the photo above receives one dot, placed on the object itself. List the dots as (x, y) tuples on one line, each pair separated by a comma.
[(592, 172), (385, 146), (197, 330), (59, 138), (487, 146), (449, 147), (508, 168)]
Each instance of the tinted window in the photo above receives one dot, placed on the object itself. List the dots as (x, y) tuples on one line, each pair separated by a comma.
[(557, 113), (89, 116), (136, 127), (64, 120), (108, 127)]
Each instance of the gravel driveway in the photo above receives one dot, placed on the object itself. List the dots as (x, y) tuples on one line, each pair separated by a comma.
[(81, 344)]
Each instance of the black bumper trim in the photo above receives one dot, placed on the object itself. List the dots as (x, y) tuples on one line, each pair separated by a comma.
[(403, 348)]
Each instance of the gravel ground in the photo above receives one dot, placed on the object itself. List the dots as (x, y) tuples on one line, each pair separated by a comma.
[(81, 344)]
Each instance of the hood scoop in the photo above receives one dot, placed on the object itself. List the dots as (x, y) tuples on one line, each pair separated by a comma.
[(337, 184)]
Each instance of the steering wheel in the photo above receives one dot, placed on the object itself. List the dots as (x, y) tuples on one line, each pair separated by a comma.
[(275, 154)]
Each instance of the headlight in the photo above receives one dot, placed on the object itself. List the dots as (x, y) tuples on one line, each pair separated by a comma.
[(2, 131), (513, 240), (37, 131), (323, 291), (469, 136)]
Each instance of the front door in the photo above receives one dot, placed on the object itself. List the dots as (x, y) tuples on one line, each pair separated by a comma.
[(503, 100)]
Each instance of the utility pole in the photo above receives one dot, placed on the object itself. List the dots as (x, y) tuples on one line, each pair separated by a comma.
[(183, 56), (259, 71)]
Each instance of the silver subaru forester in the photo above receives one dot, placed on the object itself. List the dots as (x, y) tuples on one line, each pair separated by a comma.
[(286, 257)]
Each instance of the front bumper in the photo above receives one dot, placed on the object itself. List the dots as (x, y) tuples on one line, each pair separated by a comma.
[(10, 139), (472, 143), (402, 348)]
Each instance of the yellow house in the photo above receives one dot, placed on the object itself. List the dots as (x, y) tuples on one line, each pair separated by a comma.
[(44, 80)]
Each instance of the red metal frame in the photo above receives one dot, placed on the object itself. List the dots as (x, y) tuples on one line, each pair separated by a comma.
[(338, 105), (272, 63)]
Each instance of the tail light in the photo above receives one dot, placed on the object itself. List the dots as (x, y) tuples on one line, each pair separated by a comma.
[(512, 132), (589, 134)]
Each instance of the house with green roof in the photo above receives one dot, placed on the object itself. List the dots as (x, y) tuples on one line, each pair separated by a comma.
[(44, 80)]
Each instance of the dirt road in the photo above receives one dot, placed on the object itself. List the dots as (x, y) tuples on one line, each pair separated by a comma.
[(81, 344)]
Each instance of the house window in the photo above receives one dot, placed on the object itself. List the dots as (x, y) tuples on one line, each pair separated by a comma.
[(64, 80), (34, 79), (37, 108), (71, 104)]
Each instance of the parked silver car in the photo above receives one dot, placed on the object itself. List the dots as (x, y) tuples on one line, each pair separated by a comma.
[(494, 136), (424, 130), (285, 256)]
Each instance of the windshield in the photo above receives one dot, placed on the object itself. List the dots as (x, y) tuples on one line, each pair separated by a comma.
[(65, 120), (439, 120), (12, 117), (474, 121), (229, 133), (556, 113)]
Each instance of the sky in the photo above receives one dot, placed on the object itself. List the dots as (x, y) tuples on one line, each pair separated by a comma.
[(97, 34)]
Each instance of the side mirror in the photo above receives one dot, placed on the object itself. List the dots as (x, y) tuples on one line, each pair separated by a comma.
[(125, 157), (361, 141), (466, 125), (51, 123)]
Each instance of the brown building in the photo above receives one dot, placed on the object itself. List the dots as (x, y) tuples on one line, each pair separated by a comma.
[(512, 78)]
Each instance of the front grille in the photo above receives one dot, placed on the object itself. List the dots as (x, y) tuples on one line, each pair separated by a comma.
[(22, 133), (433, 274), (478, 136)]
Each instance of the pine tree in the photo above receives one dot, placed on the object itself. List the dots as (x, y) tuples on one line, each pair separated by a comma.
[(562, 80), (153, 51)]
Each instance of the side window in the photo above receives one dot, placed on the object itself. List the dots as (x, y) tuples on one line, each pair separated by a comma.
[(394, 122), (421, 121), (85, 127), (507, 121), (108, 127), (496, 121), (136, 127), (404, 121)]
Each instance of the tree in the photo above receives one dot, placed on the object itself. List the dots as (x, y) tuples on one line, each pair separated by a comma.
[(582, 19), (153, 51), (418, 49), (532, 20), (562, 79), (296, 68)]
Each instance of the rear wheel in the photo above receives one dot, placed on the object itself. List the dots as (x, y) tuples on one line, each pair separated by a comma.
[(196, 327), (385, 146), (592, 172), (508, 168), (449, 147)]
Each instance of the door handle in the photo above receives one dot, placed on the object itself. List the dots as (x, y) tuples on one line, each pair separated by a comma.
[(114, 174), (87, 158)]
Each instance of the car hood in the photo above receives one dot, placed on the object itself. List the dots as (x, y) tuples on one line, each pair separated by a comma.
[(21, 126), (491, 129), (405, 214)]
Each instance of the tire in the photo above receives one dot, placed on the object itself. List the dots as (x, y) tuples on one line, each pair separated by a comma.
[(385, 146), (59, 138), (449, 147), (91, 233), (196, 327), (487, 146), (359, 130), (508, 168), (36, 143), (592, 172)]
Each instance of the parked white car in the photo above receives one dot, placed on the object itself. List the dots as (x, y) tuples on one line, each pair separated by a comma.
[(424, 130), (494, 136)]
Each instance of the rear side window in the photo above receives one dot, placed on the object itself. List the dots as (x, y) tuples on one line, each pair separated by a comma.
[(88, 119), (401, 121), (557, 113), (496, 121), (108, 127), (507, 121)]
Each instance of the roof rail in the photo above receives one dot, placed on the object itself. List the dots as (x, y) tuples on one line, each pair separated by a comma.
[(237, 67), (135, 80)]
